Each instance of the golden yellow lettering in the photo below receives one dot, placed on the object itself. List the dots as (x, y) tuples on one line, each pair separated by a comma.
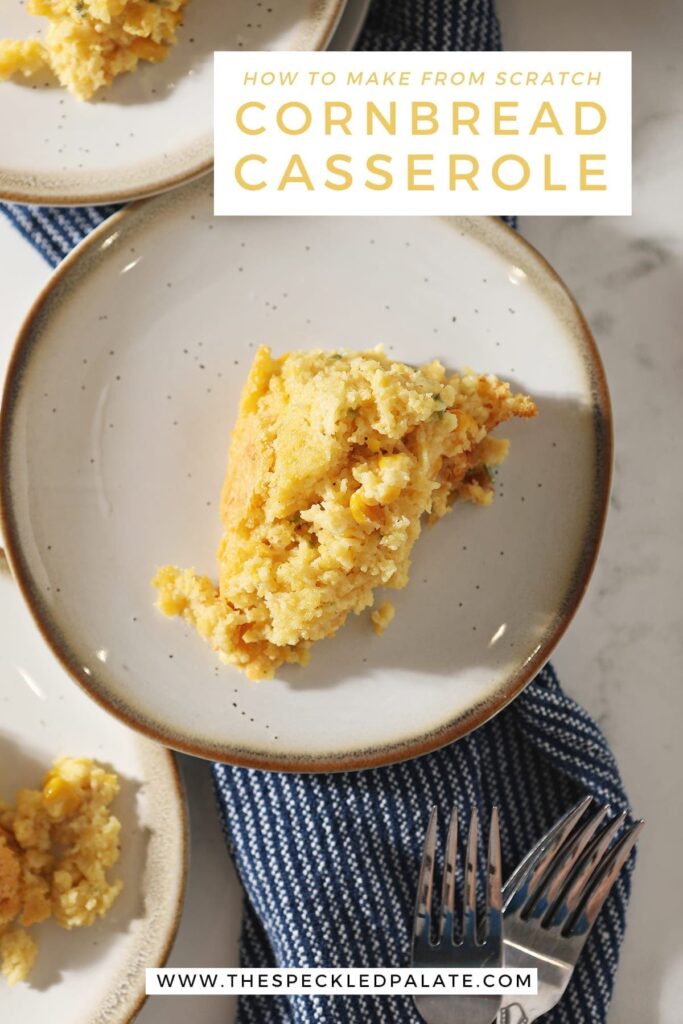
[(385, 175), (512, 158), (295, 174), (456, 175), (293, 105), (339, 120), (460, 118), (373, 113), (421, 113), (499, 117), (239, 117), (586, 172), (415, 172), (333, 167), (239, 177), (545, 118), (588, 105), (548, 184)]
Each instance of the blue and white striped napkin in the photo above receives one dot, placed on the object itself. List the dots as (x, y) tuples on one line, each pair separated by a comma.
[(329, 863)]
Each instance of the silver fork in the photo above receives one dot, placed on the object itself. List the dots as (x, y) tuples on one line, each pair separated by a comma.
[(552, 899), (443, 949)]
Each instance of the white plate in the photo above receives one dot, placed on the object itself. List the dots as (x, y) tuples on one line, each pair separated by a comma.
[(115, 422), (150, 130), (92, 975)]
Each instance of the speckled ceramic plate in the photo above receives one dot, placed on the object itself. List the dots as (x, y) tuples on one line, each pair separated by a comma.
[(120, 397), (151, 130), (90, 975)]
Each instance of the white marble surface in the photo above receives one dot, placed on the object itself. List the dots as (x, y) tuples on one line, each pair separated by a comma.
[(622, 656)]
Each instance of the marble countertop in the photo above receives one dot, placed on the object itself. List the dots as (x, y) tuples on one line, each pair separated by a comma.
[(622, 656)]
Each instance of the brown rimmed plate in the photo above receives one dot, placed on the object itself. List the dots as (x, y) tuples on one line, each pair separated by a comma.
[(120, 397), (151, 130), (90, 975)]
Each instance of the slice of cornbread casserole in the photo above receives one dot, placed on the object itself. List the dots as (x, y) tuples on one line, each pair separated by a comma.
[(334, 459)]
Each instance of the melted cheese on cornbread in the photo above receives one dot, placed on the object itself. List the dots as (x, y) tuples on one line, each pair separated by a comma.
[(89, 42), (334, 459)]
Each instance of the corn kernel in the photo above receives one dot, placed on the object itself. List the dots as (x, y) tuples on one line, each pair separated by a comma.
[(60, 797), (362, 510), (391, 494), (373, 444)]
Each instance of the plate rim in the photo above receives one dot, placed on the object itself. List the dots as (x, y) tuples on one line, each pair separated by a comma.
[(358, 760), (358, 17), (141, 996), (203, 164)]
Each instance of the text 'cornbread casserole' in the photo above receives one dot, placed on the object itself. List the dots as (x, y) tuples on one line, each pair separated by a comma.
[(89, 42), (334, 458), (56, 846)]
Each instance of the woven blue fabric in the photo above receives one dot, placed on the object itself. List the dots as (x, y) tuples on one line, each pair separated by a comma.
[(431, 25), (329, 862), (55, 230)]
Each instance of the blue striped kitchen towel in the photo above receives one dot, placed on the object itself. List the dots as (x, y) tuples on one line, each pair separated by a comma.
[(329, 862)]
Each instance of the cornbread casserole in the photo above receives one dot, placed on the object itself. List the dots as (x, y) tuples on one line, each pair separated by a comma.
[(334, 458), (56, 846), (89, 42)]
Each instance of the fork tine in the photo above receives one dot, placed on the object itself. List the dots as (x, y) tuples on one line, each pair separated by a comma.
[(494, 897), (423, 903), (599, 885), (448, 883), (469, 917), (558, 872), (589, 862), (537, 860)]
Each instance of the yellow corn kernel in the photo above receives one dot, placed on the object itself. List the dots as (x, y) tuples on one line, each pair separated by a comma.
[(391, 494), (363, 510), (373, 444), (60, 797)]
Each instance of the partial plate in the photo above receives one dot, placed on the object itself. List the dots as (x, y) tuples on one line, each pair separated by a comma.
[(90, 975), (120, 397), (350, 25), (151, 130)]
